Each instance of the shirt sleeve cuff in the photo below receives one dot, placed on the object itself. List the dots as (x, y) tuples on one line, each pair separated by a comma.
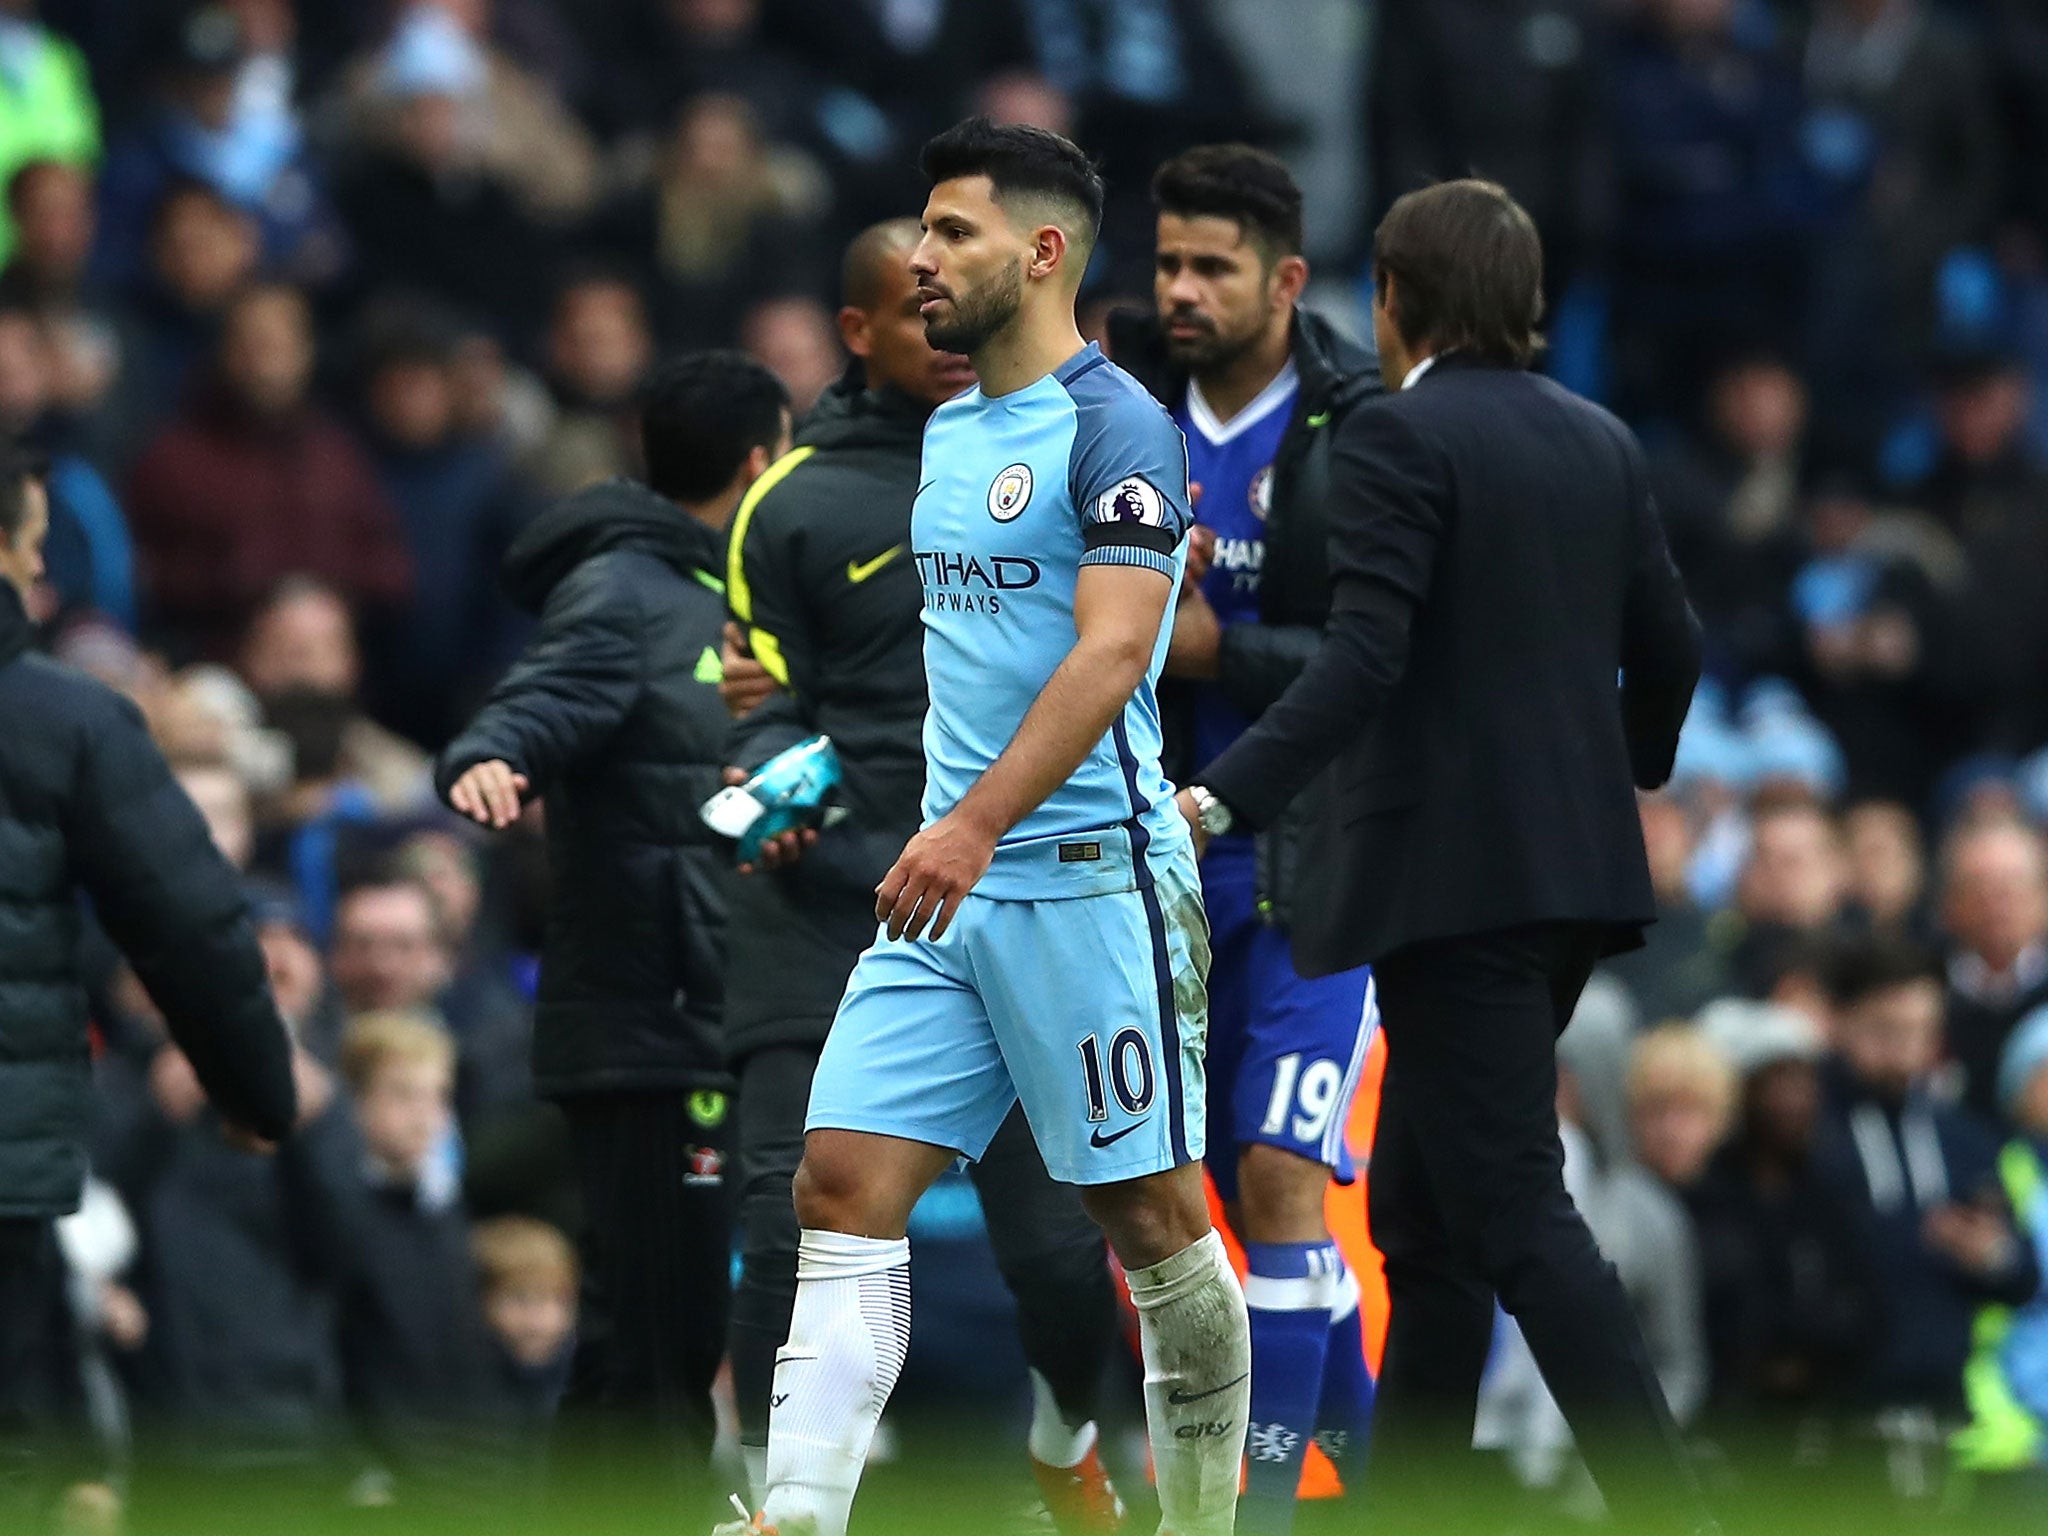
[(1129, 554)]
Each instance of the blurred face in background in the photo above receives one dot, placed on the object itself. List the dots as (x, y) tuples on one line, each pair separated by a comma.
[(1759, 410), (21, 556), (1796, 871), (305, 640), (54, 220), (797, 341), (1995, 901), (430, 132), (223, 802), (714, 21), (599, 346), (888, 335), (404, 1111), (293, 966), (1887, 867), (266, 357), (412, 401), (1677, 1128), (531, 1317), (1892, 1038), (1981, 418), (24, 371), (202, 251), (1218, 291), (1781, 1106), (445, 867), (388, 948)]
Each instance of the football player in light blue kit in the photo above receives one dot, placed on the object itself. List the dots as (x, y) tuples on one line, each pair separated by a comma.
[(1043, 937)]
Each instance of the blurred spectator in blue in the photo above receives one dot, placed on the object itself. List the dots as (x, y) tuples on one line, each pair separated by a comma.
[(1900, 133), (425, 212), (1512, 90), (89, 558), (254, 482), (1994, 917), (459, 506), (726, 215), (1729, 493), (1921, 1181), (599, 348), (202, 253), (1710, 194), (246, 144), (513, 127), (47, 110), (1877, 644)]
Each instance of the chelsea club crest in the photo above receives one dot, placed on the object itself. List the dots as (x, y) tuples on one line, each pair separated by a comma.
[(1261, 495), (1010, 493)]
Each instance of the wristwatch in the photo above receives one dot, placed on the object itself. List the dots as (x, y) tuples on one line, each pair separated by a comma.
[(1213, 815)]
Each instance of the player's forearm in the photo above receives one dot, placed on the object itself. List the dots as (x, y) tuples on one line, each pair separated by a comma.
[(1072, 713)]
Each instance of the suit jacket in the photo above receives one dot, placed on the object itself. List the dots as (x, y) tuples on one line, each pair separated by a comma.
[(1510, 654)]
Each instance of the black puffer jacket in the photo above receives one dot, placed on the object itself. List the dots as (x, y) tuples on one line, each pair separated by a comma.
[(819, 572), (613, 714), (1258, 661), (87, 804)]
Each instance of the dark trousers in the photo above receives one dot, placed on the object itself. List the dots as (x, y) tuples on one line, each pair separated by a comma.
[(1049, 1253), (1468, 1204), (39, 1381), (657, 1261)]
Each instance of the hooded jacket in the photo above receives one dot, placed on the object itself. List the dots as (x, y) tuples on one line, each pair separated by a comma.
[(612, 713), (1256, 662), (88, 806), (819, 572)]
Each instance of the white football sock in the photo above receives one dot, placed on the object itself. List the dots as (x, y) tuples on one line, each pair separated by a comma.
[(847, 1340), (1053, 1440), (1197, 1345)]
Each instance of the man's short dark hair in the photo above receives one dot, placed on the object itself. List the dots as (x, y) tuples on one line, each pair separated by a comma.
[(20, 463), (1862, 968), (1469, 265), (1248, 186), (1019, 161), (701, 414)]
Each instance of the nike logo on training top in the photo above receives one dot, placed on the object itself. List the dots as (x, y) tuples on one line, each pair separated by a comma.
[(1177, 1395), (1098, 1140), (858, 571)]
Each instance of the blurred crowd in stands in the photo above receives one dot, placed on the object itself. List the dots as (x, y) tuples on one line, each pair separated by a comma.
[(313, 305)]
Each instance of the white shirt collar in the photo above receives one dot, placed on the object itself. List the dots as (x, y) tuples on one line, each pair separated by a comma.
[(1415, 374), (1268, 400)]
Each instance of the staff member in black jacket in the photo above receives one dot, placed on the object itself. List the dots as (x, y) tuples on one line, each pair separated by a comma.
[(825, 593), (87, 804), (613, 715), (1496, 562)]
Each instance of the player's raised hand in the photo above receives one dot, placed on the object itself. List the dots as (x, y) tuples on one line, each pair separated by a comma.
[(489, 793), (937, 869)]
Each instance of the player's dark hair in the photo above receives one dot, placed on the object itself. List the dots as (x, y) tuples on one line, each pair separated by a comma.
[(1469, 268), (870, 255), (1019, 161), (701, 414), (1248, 186), (20, 464)]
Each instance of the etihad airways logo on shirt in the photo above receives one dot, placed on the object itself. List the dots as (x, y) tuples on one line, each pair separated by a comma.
[(956, 583)]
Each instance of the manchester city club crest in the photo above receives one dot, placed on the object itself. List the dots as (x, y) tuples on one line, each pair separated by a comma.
[(1010, 493), (1261, 493)]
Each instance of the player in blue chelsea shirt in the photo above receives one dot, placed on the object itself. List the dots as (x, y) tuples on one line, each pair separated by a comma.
[(1043, 936)]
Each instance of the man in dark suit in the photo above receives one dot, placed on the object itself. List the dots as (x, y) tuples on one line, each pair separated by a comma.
[(1496, 565)]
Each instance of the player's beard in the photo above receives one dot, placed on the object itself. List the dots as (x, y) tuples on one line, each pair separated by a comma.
[(1208, 351), (978, 315)]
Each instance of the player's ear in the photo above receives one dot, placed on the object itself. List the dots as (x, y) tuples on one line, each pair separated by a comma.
[(853, 331), (1290, 277), (1048, 250)]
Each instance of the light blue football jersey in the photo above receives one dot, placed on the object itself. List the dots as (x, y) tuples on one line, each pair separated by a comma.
[(1081, 467)]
